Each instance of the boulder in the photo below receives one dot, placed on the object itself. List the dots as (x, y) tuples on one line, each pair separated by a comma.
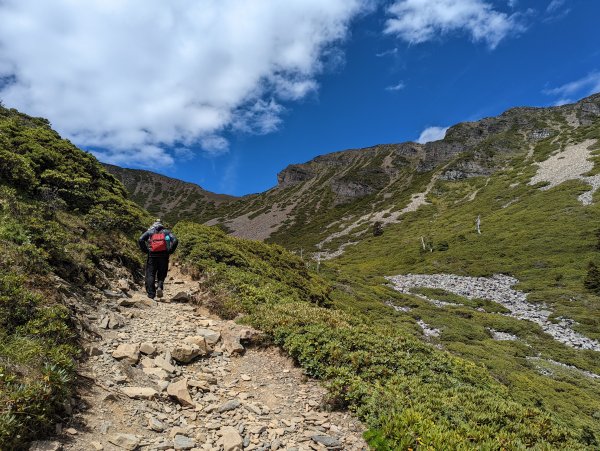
[(139, 392), (232, 345), (126, 441), (179, 391), (198, 341), (128, 352), (230, 439), (211, 336), (185, 353)]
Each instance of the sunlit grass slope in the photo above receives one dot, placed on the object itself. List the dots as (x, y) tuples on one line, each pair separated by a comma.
[(410, 394), (546, 239)]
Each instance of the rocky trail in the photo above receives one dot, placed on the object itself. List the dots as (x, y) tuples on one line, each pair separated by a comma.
[(169, 375)]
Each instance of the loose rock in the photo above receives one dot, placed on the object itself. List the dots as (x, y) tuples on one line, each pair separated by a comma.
[(179, 391), (126, 441)]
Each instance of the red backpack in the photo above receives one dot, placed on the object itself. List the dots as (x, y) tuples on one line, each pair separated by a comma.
[(158, 242)]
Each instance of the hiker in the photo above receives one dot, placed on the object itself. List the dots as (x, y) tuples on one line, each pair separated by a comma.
[(158, 242)]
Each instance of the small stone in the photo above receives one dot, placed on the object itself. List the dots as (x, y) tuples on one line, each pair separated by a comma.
[(94, 351), (326, 440), (229, 405), (181, 296), (97, 446), (147, 348), (202, 385), (198, 341), (179, 391), (127, 302), (123, 285), (230, 439), (159, 373), (139, 392), (211, 336), (71, 431), (183, 442), (126, 441), (156, 425), (112, 294), (128, 352), (147, 362), (163, 363), (246, 378)]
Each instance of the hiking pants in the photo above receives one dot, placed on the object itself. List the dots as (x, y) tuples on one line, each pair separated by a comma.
[(156, 271)]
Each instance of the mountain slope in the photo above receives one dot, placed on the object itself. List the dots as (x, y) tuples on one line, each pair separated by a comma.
[(337, 197), (64, 223), (170, 199), (529, 177)]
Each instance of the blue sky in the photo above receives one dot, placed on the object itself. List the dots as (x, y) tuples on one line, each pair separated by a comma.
[(226, 94)]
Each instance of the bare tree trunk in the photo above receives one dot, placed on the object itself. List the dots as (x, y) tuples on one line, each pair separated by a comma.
[(423, 243), (478, 224)]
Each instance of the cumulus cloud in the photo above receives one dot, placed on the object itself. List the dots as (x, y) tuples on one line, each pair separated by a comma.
[(130, 79), (432, 134), (585, 86), (418, 21)]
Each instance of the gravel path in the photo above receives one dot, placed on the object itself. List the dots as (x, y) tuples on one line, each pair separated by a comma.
[(171, 376), (498, 289)]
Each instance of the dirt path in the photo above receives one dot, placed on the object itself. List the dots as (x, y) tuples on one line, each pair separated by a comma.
[(141, 395)]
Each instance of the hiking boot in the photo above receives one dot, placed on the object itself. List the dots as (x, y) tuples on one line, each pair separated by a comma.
[(159, 292), (151, 296)]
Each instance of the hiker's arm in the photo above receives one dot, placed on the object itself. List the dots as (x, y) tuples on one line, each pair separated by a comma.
[(174, 243), (142, 242)]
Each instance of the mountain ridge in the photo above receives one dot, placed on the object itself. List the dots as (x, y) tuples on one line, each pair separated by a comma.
[(331, 183)]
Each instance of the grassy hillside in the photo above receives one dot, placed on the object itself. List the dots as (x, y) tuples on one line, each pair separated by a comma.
[(410, 394), (169, 199), (61, 214), (546, 239)]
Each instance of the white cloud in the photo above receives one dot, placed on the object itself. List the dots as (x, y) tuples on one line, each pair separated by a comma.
[(397, 87), (555, 5), (390, 52), (432, 134), (139, 76), (418, 21), (585, 86)]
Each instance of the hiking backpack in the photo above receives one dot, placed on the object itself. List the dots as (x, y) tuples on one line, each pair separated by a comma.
[(158, 242)]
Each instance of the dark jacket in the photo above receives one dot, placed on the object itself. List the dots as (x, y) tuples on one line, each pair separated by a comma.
[(158, 228)]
